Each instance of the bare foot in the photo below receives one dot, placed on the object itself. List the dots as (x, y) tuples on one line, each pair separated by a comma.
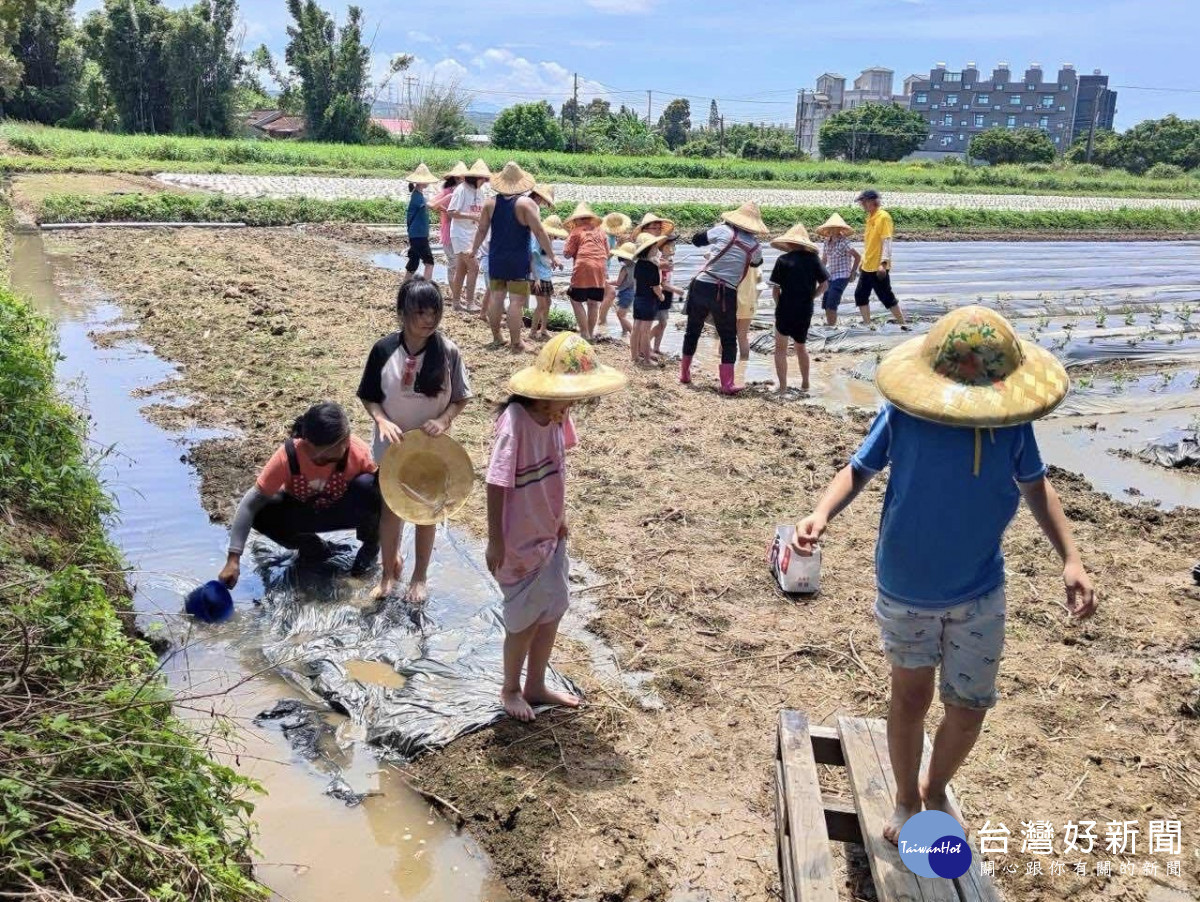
[(496, 344), (519, 348), (891, 830), (939, 801), (384, 589), (804, 388), (417, 592), (516, 706), (545, 696)]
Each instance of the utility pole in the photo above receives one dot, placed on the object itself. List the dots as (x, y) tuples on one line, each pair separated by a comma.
[(854, 142), (1095, 116), (575, 118), (649, 104), (799, 119), (722, 136)]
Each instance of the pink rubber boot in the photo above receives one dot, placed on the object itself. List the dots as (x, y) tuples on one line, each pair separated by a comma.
[(727, 386), (685, 370)]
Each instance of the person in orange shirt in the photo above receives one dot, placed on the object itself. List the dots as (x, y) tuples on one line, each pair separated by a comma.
[(587, 246)]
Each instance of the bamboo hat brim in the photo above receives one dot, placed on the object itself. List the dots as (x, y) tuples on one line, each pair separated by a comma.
[(972, 370), (795, 238), (747, 217), (834, 222), (645, 242), (566, 369), (421, 176), (425, 479), (478, 170), (650, 219), (554, 227), (512, 179), (617, 224), (626, 251), (545, 192), (457, 171), (582, 211)]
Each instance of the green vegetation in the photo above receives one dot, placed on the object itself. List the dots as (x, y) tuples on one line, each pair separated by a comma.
[(873, 131), (166, 206), (1169, 140), (1012, 145), (104, 793), (528, 126)]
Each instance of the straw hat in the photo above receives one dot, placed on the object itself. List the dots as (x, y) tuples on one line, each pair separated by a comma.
[(478, 170), (795, 238), (554, 227), (425, 479), (421, 176), (645, 241), (626, 251), (545, 192), (651, 218), (566, 369), (617, 224), (512, 180), (835, 222), (457, 171), (582, 211), (972, 370), (746, 217)]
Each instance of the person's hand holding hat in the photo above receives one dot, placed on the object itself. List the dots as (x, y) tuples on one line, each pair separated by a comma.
[(435, 427), (389, 431)]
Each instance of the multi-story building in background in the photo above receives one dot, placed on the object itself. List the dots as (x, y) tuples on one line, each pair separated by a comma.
[(1097, 105), (831, 96), (959, 105)]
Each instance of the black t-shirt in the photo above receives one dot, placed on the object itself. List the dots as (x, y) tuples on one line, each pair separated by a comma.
[(798, 273), (646, 277)]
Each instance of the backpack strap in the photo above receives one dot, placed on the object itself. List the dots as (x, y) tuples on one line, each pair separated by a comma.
[(289, 448)]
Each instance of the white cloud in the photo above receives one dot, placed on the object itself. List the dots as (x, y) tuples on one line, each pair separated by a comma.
[(420, 37), (622, 7), (503, 77)]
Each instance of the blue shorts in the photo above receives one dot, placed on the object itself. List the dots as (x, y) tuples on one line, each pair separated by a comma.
[(966, 640), (625, 298), (833, 294), (645, 309)]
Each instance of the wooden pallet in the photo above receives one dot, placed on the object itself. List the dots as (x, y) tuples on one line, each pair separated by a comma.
[(806, 821)]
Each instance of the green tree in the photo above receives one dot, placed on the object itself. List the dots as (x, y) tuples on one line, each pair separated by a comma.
[(1012, 145), (675, 122), (440, 116), (94, 109), (714, 116), (528, 126), (46, 44), (873, 131), (625, 134), (202, 68), (1167, 140), (1106, 149), (127, 39), (12, 13)]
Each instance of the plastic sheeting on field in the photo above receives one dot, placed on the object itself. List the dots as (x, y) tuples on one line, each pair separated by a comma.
[(1176, 449), (448, 651)]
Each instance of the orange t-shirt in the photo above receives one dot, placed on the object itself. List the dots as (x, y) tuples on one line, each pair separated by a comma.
[(588, 247), (276, 476)]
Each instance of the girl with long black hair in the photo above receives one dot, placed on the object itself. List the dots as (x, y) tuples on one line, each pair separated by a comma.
[(414, 378)]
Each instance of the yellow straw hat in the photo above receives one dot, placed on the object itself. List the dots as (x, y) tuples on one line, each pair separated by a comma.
[(626, 251), (512, 180), (545, 192), (649, 219), (478, 170), (972, 370), (554, 227), (421, 176), (582, 211), (617, 224), (566, 369), (795, 238), (646, 241), (835, 223), (425, 479), (746, 217), (457, 171)]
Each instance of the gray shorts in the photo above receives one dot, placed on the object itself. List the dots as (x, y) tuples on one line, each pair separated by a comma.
[(967, 640), (542, 596)]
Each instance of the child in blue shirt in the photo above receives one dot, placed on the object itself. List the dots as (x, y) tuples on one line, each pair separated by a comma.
[(957, 432), (417, 220)]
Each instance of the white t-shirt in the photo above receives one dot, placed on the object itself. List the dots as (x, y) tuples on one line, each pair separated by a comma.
[(462, 231)]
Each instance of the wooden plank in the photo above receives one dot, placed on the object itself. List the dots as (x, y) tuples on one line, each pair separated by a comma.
[(827, 747), (786, 870), (973, 886), (808, 840), (841, 820), (864, 744)]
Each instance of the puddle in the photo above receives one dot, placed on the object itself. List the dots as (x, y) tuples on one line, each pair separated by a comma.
[(311, 846), (374, 673)]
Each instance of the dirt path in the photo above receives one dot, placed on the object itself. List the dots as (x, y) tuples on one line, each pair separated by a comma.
[(674, 493)]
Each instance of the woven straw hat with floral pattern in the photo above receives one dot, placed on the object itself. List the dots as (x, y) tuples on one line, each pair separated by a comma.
[(566, 369), (971, 369), (425, 479)]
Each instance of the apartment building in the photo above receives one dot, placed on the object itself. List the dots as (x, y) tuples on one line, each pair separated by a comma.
[(959, 105), (873, 85)]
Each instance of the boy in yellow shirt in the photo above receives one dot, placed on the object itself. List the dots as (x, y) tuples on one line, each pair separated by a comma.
[(876, 260)]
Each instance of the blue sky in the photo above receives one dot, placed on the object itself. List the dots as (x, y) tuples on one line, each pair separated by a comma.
[(753, 57)]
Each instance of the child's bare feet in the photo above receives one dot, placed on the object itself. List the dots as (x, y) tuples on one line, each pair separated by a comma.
[(546, 696), (417, 592), (891, 830), (516, 706), (384, 589), (939, 801)]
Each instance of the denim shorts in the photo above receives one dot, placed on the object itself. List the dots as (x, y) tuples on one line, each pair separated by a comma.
[(833, 294), (967, 640), (625, 298)]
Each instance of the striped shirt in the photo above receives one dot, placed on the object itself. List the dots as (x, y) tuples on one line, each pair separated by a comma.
[(837, 257)]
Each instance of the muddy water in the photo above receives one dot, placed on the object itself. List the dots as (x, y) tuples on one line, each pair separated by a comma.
[(312, 847)]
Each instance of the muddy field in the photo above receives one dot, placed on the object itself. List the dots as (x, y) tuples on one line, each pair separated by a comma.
[(674, 494)]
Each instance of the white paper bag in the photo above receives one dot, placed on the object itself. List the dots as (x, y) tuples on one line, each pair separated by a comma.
[(795, 573)]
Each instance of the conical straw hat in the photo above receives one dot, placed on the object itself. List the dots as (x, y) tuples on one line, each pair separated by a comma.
[(457, 171), (512, 180), (554, 227), (646, 240), (626, 251), (566, 369), (479, 170), (972, 370), (794, 238), (545, 192), (835, 222), (746, 217), (617, 224), (650, 219), (421, 176), (582, 211), (425, 479)]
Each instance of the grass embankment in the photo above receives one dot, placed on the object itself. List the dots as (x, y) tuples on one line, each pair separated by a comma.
[(53, 149), (171, 207), (104, 794)]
